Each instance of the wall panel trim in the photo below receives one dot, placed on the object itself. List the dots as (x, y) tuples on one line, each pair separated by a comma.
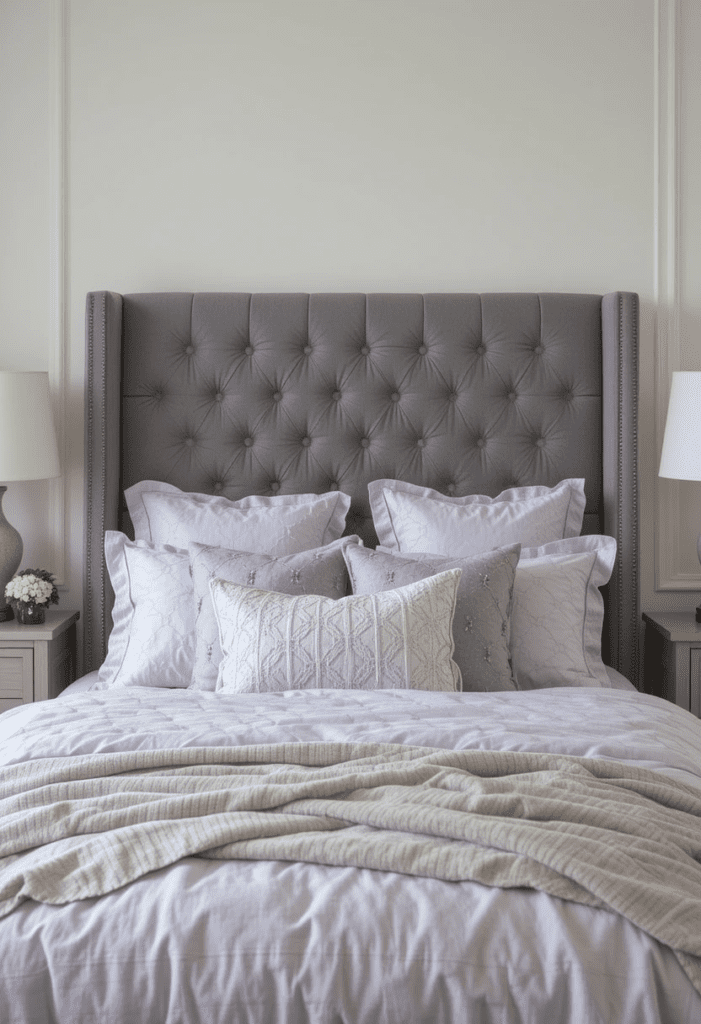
[(58, 305), (669, 574)]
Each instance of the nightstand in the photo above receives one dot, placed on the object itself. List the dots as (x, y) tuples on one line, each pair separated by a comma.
[(672, 664), (36, 662)]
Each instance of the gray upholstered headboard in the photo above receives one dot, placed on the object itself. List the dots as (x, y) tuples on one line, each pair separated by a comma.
[(241, 394)]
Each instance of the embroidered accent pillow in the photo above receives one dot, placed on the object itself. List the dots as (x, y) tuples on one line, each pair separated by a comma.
[(278, 525), (319, 571), (410, 518), (482, 622), (400, 639)]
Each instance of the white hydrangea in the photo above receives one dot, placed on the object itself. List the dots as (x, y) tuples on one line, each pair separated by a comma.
[(29, 589)]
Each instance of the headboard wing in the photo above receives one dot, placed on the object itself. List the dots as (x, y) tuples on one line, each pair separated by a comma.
[(237, 394)]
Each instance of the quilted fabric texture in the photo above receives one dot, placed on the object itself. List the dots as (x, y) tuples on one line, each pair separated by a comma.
[(163, 514), (152, 642), (319, 571), (482, 621), (558, 613), (269, 394), (410, 518), (401, 639)]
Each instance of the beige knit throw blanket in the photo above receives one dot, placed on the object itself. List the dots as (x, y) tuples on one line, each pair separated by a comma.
[(594, 831)]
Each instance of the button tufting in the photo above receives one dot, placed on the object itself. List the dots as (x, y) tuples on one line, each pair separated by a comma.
[(365, 350), (481, 442), (307, 349), (512, 396), (275, 486), (540, 443), (248, 442), (277, 396), (395, 396), (421, 443), (422, 350), (452, 396), (217, 486), (481, 349), (538, 349), (189, 350), (365, 443), (189, 441), (336, 396), (306, 441), (451, 489), (248, 350), (219, 396)]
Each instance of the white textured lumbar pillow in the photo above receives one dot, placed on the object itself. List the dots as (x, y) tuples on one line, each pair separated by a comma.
[(400, 639)]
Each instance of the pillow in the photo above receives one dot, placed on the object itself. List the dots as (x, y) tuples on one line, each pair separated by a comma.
[(319, 571), (400, 639), (152, 642), (558, 613), (281, 525), (481, 626), (409, 518)]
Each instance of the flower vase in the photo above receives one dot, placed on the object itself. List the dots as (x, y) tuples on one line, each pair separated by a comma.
[(30, 614)]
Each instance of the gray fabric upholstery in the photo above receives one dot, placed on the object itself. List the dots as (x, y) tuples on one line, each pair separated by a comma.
[(237, 394)]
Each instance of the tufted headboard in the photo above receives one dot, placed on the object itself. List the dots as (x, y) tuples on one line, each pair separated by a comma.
[(242, 394)]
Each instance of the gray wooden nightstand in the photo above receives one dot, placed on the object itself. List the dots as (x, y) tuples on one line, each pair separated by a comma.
[(672, 665), (36, 662)]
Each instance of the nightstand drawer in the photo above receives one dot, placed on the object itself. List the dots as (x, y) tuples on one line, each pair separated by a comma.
[(16, 676)]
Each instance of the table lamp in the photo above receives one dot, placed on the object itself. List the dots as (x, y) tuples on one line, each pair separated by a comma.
[(28, 451), (681, 447)]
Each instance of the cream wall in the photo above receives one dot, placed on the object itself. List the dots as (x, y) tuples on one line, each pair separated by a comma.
[(345, 144)]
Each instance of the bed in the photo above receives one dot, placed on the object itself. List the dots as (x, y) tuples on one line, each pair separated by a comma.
[(358, 737)]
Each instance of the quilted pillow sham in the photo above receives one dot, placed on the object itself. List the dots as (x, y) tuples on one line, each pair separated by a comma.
[(279, 525), (482, 621), (410, 518), (558, 613), (152, 642), (398, 639), (319, 571)]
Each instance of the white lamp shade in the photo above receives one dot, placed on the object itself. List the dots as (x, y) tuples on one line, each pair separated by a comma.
[(681, 448), (28, 449)]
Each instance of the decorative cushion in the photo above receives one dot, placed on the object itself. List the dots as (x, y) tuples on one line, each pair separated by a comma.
[(319, 571), (398, 639), (558, 613), (410, 518), (152, 642), (280, 525), (482, 622)]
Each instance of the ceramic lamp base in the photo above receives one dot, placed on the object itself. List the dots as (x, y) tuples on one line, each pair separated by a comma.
[(10, 557)]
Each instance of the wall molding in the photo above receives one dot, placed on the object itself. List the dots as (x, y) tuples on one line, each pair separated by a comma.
[(58, 304), (669, 574)]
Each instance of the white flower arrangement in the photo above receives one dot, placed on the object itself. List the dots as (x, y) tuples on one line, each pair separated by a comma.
[(31, 586)]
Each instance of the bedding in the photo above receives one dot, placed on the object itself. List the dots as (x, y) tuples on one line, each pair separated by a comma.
[(411, 518), (557, 611), (482, 619), (216, 940), (401, 638), (319, 571), (277, 525)]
